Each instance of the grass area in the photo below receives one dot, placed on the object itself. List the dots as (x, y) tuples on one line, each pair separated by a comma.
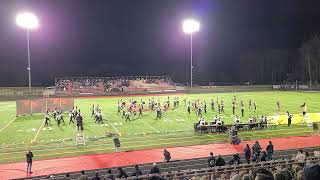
[(174, 129)]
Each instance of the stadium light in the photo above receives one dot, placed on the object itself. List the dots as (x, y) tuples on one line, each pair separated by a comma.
[(28, 21), (190, 26)]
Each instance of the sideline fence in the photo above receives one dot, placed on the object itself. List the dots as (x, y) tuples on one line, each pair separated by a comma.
[(31, 106)]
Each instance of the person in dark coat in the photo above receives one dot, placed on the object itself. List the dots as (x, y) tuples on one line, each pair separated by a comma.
[(247, 153), (166, 155), (211, 160), (79, 122), (96, 177), (83, 176), (29, 157), (109, 175), (264, 156), (121, 173), (269, 150), (220, 161), (137, 171), (256, 150), (235, 159), (154, 169), (67, 177)]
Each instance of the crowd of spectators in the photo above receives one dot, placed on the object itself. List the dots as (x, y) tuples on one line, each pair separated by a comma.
[(108, 84), (302, 167)]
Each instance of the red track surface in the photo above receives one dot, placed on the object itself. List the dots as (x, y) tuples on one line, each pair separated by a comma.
[(87, 162)]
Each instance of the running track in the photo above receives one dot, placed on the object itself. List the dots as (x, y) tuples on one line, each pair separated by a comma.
[(97, 161)]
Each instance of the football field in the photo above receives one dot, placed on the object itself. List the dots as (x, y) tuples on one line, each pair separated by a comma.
[(175, 128)]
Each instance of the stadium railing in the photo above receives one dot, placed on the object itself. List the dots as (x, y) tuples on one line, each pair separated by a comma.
[(217, 171)]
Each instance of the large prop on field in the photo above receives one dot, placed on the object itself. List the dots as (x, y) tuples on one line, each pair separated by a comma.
[(309, 118), (32, 106)]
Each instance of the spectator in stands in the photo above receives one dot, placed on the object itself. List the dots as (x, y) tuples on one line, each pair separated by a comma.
[(137, 171), (220, 161), (247, 153), (235, 160), (211, 160), (156, 177), (247, 177), (307, 154), (121, 173), (83, 176), (300, 175), (264, 156), (311, 172), (109, 176), (262, 174), (269, 150), (300, 156), (154, 169), (166, 155), (67, 177), (235, 176), (96, 177)]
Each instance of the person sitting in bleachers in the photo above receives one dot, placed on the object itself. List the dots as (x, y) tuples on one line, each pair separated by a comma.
[(154, 169), (300, 157), (137, 171), (121, 173), (220, 161), (235, 160), (211, 160)]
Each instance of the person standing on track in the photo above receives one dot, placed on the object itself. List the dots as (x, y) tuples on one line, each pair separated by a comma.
[(269, 150), (247, 153), (166, 154), (29, 157)]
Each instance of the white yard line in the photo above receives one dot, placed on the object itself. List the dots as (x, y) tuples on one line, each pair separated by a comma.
[(150, 126), (35, 137), (3, 128), (114, 128)]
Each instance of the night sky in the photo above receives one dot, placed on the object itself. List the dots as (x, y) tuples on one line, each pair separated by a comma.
[(144, 37)]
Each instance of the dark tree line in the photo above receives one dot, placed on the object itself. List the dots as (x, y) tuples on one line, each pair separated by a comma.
[(276, 66), (309, 64)]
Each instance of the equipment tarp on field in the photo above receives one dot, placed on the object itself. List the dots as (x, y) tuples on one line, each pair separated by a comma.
[(24, 107)]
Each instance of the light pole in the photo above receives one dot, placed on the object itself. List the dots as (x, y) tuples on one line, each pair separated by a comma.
[(28, 21), (190, 26)]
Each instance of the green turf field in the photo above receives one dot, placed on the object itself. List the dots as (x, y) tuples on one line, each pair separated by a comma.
[(174, 129)]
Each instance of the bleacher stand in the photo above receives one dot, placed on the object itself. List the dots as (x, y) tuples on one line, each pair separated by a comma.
[(73, 85), (307, 169)]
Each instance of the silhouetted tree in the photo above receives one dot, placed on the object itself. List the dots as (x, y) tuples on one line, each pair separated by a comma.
[(310, 56)]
